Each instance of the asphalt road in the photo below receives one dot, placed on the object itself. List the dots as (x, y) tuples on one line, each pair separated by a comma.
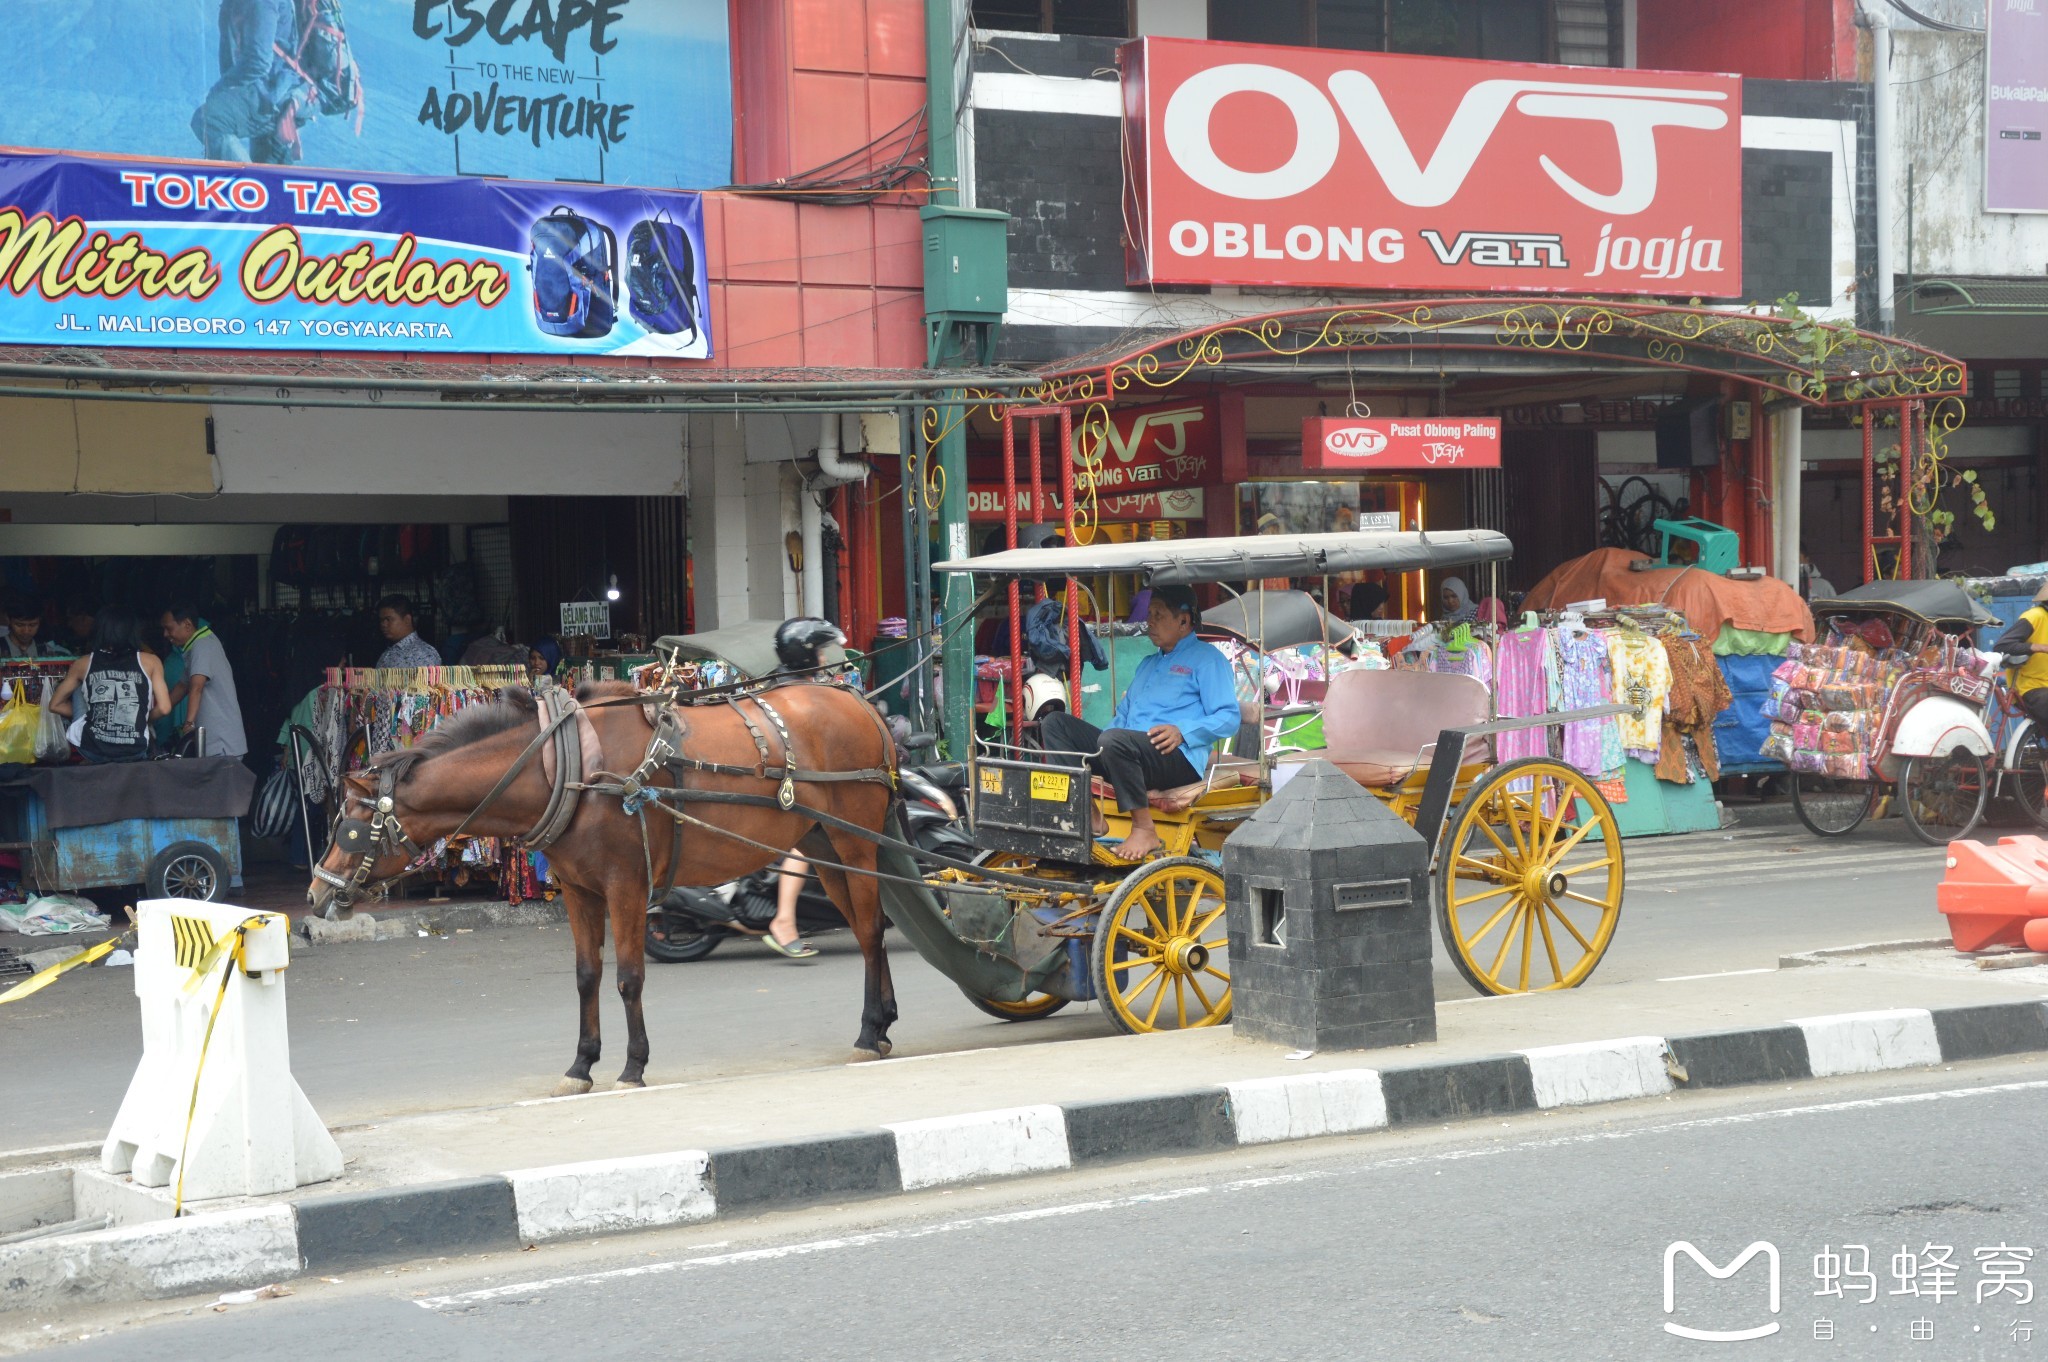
[(1543, 1237), (386, 1028)]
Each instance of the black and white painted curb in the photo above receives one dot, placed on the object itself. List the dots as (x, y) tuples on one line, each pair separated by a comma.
[(340, 1233)]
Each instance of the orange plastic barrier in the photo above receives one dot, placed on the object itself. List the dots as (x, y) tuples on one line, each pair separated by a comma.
[(1991, 894), (2036, 934)]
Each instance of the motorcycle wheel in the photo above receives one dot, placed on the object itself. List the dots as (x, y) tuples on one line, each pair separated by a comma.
[(683, 944)]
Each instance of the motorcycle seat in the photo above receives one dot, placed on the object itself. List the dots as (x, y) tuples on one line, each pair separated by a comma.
[(947, 775)]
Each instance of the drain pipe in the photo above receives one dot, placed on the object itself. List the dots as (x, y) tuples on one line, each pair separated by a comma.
[(834, 470), (1885, 133)]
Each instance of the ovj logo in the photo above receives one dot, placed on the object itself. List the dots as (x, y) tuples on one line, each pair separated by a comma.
[(1720, 1274), (1355, 442)]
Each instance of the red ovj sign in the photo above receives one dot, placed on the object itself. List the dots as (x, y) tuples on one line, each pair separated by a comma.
[(1296, 167), (1341, 443)]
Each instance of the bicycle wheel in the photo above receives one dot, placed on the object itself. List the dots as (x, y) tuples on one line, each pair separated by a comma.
[(2029, 780), (1943, 797), (1831, 807)]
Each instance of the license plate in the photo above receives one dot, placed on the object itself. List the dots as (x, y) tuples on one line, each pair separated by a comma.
[(1051, 785)]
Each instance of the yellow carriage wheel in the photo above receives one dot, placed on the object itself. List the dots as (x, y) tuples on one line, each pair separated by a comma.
[(1528, 879), (1038, 1004), (1161, 961)]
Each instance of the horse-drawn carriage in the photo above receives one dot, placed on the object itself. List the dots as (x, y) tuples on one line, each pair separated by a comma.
[(633, 793), (1526, 864)]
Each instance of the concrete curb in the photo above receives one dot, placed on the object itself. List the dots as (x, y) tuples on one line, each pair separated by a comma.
[(436, 919), (364, 1229)]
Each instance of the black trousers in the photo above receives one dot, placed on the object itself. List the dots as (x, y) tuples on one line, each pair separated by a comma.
[(2035, 703), (1124, 757)]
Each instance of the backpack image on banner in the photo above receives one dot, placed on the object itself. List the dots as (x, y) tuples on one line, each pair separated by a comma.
[(328, 80), (574, 264), (661, 276)]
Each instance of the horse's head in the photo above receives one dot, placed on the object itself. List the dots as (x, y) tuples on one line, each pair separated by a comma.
[(368, 850)]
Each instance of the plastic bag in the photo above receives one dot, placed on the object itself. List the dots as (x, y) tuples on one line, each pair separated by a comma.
[(52, 747), (52, 915), (18, 724)]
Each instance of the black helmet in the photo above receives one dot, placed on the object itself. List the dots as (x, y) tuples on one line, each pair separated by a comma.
[(798, 642)]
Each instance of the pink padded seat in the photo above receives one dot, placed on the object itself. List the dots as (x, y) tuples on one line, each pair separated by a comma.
[(1381, 726)]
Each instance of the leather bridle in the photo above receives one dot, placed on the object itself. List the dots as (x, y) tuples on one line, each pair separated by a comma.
[(373, 838)]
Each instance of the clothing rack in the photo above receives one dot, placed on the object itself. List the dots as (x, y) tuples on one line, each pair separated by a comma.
[(427, 678)]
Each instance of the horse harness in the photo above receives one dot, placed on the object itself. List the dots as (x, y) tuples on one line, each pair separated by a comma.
[(566, 753)]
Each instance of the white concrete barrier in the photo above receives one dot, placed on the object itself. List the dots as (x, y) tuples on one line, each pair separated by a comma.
[(1304, 1106), (249, 1130), (983, 1144)]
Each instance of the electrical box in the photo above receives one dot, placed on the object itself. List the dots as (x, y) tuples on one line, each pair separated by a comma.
[(966, 262)]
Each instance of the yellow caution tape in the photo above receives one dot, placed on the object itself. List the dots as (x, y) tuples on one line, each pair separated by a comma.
[(42, 979)]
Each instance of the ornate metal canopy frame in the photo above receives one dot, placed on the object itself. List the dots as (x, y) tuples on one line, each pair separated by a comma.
[(1819, 363)]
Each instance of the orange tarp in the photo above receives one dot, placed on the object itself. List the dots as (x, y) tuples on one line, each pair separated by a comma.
[(1707, 601)]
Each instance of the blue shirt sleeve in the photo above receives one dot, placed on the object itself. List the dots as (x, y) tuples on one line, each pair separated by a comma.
[(1220, 712), (1122, 717)]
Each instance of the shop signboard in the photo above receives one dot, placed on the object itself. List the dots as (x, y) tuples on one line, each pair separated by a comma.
[(1320, 168), (151, 253), (1147, 449), (591, 91), (1374, 444), (593, 618), (2016, 107), (985, 503)]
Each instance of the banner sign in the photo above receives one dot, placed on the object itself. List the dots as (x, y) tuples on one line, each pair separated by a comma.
[(985, 503), (1148, 449), (1311, 168), (600, 91), (2016, 107), (141, 253), (1352, 445)]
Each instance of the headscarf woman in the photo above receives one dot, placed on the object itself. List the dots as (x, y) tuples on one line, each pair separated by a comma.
[(1456, 598)]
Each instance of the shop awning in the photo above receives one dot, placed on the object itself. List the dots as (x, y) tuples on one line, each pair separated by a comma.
[(485, 383), (1820, 363)]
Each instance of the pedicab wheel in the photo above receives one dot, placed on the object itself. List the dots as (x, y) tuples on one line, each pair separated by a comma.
[(1528, 881), (1831, 807), (1942, 797), (186, 870), (2029, 782), (1038, 1004), (1159, 962)]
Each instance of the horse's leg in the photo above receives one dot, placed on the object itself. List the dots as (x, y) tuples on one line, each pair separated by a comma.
[(586, 928), (860, 899), (628, 904)]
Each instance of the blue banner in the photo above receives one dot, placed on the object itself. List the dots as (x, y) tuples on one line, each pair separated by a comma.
[(603, 91), (109, 252)]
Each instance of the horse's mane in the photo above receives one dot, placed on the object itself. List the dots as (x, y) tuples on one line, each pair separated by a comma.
[(515, 708)]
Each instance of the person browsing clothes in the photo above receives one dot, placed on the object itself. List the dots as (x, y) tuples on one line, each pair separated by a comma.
[(209, 683), (24, 622), (111, 694), (408, 649), (1181, 702)]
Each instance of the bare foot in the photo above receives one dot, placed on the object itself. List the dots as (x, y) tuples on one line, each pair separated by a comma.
[(1137, 847)]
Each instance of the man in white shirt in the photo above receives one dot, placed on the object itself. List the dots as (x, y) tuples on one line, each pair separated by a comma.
[(408, 649)]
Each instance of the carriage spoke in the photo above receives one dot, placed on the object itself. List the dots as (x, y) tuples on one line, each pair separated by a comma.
[(1136, 961), (1576, 936), (1145, 902), (1565, 849), (1211, 969), (1493, 837), (1512, 818), (1469, 942), (1207, 922), (1150, 943), (1180, 1000), (1152, 1017), (1489, 894), (1218, 944), (1195, 983), (1588, 868), (1529, 940), (1158, 972), (1172, 908), (1507, 939), (1549, 944), (1486, 868)]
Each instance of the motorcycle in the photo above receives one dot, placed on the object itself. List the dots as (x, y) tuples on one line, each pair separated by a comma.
[(689, 924)]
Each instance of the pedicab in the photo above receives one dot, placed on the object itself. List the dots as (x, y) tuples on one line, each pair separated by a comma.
[(1910, 710), (1526, 867)]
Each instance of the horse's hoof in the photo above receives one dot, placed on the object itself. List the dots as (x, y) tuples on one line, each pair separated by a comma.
[(571, 1087), (628, 1084), (861, 1056)]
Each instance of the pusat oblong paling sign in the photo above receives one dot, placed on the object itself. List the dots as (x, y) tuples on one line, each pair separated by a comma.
[(1298, 167)]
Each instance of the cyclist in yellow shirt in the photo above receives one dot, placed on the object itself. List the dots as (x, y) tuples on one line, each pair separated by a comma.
[(2025, 646)]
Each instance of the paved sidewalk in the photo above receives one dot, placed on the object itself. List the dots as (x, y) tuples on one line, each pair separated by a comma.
[(767, 1107)]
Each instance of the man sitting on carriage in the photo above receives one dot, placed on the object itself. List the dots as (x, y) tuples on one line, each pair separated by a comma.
[(1180, 703)]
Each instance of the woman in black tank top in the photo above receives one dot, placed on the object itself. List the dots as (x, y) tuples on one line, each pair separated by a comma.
[(111, 694)]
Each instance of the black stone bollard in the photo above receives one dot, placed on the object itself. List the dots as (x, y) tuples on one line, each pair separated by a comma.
[(1329, 922)]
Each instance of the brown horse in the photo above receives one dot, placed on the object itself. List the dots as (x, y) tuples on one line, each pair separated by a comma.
[(602, 860)]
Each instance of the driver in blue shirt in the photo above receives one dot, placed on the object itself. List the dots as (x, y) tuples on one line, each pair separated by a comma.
[(1181, 702)]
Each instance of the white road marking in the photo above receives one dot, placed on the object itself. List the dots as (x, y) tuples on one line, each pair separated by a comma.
[(465, 1299), (1724, 974)]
